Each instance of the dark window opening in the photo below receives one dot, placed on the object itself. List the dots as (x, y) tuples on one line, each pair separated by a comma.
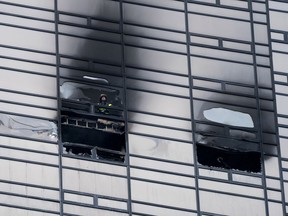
[(92, 122), (100, 138), (228, 158), (228, 140)]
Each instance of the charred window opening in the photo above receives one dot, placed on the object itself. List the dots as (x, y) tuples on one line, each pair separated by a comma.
[(92, 122), (228, 141), (96, 138)]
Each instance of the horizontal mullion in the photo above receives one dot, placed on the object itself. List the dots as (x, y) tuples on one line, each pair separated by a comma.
[(27, 50), (282, 125), (160, 115), (259, 22), (163, 206), (79, 157), (232, 194), (278, 10), (231, 182), (28, 94), (223, 82), (28, 161), (153, 27), (93, 195), (221, 59), (27, 28), (218, 5), (27, 17), (162, 171), (162, 182), (30, 209), (160, 126), (222, 48), (27, 138), (27, 60), (93, 171), (28, 105), (29, 116), (156, 81), (88, 27), (220, 38), (278, 51), (89, 38), (89, 60), (153, 38), (28, 185), (154, 6), (26, 6), (154, 49), (29, 150), (28, 72), (75, 203), (29, 197), (218, 16), (156, 71), (87, 17), (156, 92), (280, 73), (282, 94), (160, 137)]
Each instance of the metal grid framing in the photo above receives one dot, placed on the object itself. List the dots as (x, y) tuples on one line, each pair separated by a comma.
[(156, 53)]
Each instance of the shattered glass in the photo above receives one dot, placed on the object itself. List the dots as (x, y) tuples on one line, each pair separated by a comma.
[(28, 127)]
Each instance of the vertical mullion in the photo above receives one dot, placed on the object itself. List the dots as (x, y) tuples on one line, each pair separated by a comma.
[(258, 106), (61, 193), (275, 109), (123, 72), (196, 170)]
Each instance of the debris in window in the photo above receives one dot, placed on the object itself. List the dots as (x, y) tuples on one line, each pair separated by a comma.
[(100, 138), (28, 127), (229, 117), (228, 158), (238, 148)]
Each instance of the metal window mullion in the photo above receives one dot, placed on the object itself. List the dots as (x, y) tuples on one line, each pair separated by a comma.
[(123, 71), (275, 111), (60, 147), (193, 125), (258, 106)]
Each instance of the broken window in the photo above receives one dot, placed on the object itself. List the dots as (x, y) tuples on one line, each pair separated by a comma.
[(92, 120), (28, 127), (230, 142)]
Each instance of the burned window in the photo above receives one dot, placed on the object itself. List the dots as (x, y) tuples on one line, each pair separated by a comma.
[(228, 140), (92, 122)]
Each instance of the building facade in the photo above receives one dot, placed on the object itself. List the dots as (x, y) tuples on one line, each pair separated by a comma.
[(163, 66)]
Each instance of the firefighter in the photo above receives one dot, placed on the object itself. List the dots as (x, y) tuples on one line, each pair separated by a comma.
[(103, 102)]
